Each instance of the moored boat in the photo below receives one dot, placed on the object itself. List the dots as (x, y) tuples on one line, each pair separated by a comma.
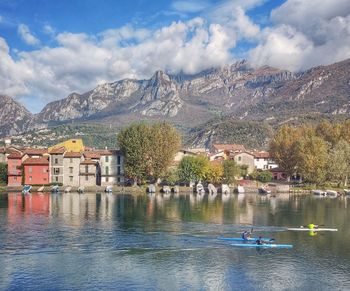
[(81, 189), (41, 189), (319, 192), (264, 190), (239, 190), (26, 189), (109, 189), (347, 191), (67, 190), (55, 189), (332, 193)]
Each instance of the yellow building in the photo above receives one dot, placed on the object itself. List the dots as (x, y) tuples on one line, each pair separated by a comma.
[(71, 145)]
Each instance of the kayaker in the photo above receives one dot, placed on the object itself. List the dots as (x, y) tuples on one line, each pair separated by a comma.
[(245, 235), (312, 226), (259, 241)]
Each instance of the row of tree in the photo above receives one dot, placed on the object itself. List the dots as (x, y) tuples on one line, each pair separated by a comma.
[(318, 153)]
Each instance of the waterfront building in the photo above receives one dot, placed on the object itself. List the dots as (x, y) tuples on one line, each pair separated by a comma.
[(14, 169), (244, 159), (36, 171), (112, 168), (56, 165), (71, 145), (181, 154), (89, 174), (71, 168), (34, 153), (263, 160)]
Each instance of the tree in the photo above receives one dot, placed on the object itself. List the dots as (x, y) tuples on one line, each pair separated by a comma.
[(148, 149), (3, 173), (231, 171), (193, 168), (283, 148), (264, 176), (338, 164), (329, 132), (215, 172), (312, 158)]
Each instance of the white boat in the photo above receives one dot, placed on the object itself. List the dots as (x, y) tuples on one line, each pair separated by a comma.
[(109, 189), (41, 189), (199, 188), (332, 193), (67, 190), (313, 229), (225, 189), (347, 191), (263, 190), (166, 189), (55, 189), (81, 189), (240, 189), (151, 188), (319, 192), (26, 189)]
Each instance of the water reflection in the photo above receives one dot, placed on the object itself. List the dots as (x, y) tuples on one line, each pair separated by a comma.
[(168, 241)]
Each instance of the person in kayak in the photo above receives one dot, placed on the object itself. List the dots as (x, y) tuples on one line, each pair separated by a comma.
[(259, 241), (246, 234)]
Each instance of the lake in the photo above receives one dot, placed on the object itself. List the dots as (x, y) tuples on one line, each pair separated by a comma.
[(169, 242)]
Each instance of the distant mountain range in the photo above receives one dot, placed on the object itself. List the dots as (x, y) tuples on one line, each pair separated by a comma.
[(232, 94)]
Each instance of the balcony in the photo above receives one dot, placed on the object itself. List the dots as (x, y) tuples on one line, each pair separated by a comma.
[(14, 173)]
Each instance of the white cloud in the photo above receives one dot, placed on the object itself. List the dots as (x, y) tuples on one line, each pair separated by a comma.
[(305, 34), (190, 6), (49, 30), (26, 35)]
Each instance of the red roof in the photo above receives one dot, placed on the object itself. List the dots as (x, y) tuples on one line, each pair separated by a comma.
[(72, 155), (229, 147), (36, 161), (34, 151), (15, 155), (58, 151), (92, 155), (107, 152), (261, 154), (88, 162)]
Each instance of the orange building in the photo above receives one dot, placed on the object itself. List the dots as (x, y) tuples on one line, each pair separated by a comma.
[(36, 171)]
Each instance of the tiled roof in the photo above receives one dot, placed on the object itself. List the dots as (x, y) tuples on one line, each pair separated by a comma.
[(88, 162), (106, 152), (36, 161), (72, 155), (261, 154), (229, 147), (15, 155), (34, 151), (92, 155), (57, 151)]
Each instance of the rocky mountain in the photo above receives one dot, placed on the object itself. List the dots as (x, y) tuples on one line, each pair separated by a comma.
[(237, 92), (14, 117)]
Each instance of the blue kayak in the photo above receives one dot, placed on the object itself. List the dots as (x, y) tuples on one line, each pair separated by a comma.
[(265, 246), (241, 239)]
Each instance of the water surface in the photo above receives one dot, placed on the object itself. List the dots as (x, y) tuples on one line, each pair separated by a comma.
[(169, 242)]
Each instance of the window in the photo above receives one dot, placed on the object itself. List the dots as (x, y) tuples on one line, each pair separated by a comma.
[(71, 160), (15, 178), (70, 178), (118, 179), (45, 170), (56, 171), (107, 179), (56, 161), (118, 170), (118, 160), (86, 178), (30, 178), (107, 159), (56, 179), (30, 169), (239, 159), (86, 169), (70, 170), (74, 141), (107, 170)]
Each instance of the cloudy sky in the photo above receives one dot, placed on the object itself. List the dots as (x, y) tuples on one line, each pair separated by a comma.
[(49, 49)]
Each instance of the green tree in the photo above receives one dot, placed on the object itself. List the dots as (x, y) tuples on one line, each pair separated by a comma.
[(3, 173), (283, 148), (215, 173), (193, 168), (264, 176), (312, 158), (148, 149), (338, 165), (231, 171)]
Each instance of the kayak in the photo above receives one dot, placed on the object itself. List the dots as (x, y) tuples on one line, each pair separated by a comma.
[(265, 246), (241, 239), (313, 229)]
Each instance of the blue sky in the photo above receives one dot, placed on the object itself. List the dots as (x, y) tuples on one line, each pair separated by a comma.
[(49, 49)]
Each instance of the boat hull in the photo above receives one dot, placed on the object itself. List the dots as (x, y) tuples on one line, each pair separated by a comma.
[(252, 239), (264, 246), (308, 229)]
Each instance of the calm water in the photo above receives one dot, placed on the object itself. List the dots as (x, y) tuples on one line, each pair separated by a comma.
[(167, 242)]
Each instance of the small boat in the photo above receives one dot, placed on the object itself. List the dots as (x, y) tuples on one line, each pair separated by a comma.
[(55, 189), (166, 189), (319, 192), (67, 190), (243, 240), (347, 191), (26, 189), (151, 188), (81, 189), (332, 193), (212, 189), (263, 190), (239, 190), (109, 189), (311, 229), (41, 189), (200, 188), (225, 189), (175, 189), (264, 246)]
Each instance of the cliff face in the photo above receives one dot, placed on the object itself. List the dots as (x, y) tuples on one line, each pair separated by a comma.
[(238, 90), (14, 118)]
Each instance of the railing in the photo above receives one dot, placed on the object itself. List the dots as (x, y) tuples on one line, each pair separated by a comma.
[(15, 173)]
